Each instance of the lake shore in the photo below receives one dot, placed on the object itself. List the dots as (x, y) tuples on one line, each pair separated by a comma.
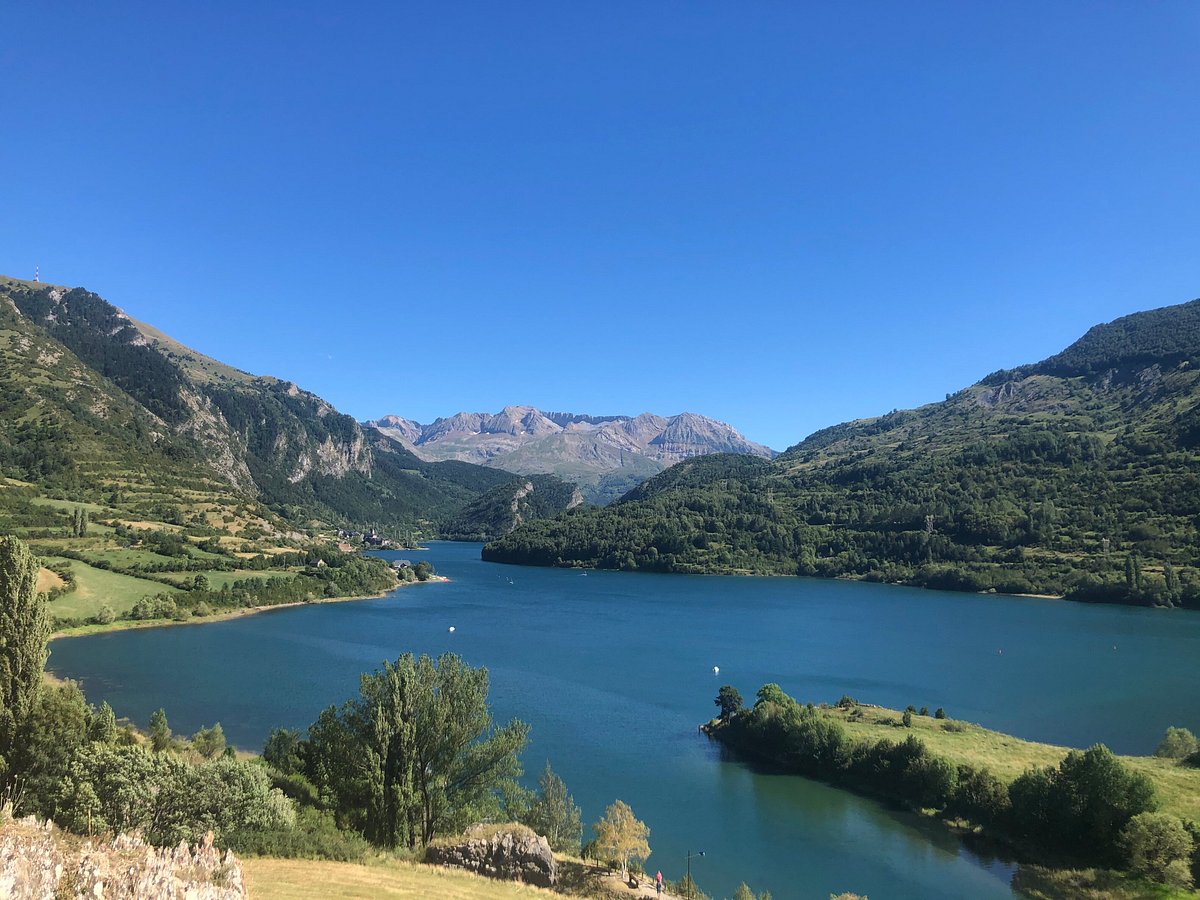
[(132, 625)]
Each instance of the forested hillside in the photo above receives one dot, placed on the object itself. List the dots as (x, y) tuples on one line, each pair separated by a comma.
[(506, 506), (1079, 476), (92, 396)]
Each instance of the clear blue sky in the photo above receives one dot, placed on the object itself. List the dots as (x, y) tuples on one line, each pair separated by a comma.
[(780, 214)]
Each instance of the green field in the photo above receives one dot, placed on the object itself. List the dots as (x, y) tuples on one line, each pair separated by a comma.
[(1007, 757), (96, 587), (218, 579)]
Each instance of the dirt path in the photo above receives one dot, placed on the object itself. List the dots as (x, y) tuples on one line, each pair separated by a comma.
[(644, 889)]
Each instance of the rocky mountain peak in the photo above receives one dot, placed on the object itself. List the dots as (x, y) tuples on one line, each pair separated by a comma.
[(605, 455)]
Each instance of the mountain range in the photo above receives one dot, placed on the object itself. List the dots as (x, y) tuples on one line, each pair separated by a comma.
[(604, 455), (1076, 476), (95, 403)]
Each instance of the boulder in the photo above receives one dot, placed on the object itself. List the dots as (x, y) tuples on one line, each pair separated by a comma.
[(510, 852)]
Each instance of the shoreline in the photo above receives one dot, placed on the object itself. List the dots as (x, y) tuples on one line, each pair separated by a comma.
[(743, 573), (131, 625)]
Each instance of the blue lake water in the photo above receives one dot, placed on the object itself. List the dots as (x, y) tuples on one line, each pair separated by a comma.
[(614, 673)]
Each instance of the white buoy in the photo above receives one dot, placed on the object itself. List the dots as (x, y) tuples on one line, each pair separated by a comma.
[(716, 670), (451, 629)]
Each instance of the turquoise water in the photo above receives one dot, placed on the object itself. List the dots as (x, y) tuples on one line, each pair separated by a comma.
[(614, 672)]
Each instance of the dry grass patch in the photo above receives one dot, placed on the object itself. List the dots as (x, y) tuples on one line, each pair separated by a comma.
[(48, 581), (283, 879)]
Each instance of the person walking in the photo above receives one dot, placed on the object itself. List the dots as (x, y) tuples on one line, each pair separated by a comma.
[(658, 883)]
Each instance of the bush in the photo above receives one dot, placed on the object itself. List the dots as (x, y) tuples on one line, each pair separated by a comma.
[(1159, 847), (1177, 743), (166, 797), (979, 797), (314, 836)]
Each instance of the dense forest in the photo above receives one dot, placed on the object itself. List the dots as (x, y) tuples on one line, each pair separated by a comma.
[(1078, 476)]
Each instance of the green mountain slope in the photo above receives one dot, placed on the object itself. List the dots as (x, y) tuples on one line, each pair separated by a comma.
[(1079, 475), (506, 506), (94, 396)]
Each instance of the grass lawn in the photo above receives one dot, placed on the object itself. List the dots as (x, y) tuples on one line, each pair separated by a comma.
[(277, 879), (218, 579), (126, 557), (70, 505), (96, 587), (1007, 757)]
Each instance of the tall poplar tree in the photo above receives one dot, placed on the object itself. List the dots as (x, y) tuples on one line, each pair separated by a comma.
[(416, 753), (24, 636)]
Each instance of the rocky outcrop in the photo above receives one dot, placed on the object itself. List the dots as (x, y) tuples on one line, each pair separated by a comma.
[(585, 450), (39, 862), (509, 852), (205, 424), (406, 431)]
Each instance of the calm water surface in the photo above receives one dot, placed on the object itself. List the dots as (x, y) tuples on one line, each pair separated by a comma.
[(614, 672)]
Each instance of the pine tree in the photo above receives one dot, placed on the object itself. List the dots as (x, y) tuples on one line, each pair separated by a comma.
[(554, 814), (24, 633), (209, 742), (103, 727), (160, 731)]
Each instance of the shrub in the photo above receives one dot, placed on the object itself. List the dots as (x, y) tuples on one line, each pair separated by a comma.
[(314, 836), (979, 797), (166, 797), (1177, 743), (1159, 847)]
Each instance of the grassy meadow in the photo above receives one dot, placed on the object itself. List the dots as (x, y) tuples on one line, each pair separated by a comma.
[(96, 588), (1177, 786)]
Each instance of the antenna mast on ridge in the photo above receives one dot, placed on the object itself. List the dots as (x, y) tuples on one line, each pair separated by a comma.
[(37, 273)]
